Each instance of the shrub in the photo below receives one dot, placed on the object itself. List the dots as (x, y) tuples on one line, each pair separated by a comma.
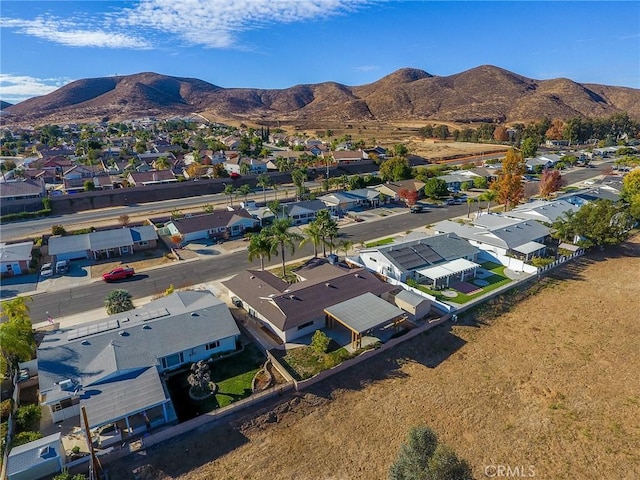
[(65, 475), (5, 409), (58, 230), (25, 437), (320, 342), (28, 417)]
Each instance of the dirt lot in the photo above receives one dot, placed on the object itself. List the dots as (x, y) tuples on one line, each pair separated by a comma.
[(552, 384)]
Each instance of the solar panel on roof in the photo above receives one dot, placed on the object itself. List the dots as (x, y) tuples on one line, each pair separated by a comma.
[(427, 253), (152, 314), (88, 330)]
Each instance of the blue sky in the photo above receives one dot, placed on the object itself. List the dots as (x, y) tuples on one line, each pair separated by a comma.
[(281, 43)]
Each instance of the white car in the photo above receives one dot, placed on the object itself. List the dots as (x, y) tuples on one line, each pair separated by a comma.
[(46, 270)]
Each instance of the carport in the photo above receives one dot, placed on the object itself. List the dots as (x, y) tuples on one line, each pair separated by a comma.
[(363, 314)]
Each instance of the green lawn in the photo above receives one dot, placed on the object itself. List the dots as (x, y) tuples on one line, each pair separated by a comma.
[(496, 280), (379, 243)]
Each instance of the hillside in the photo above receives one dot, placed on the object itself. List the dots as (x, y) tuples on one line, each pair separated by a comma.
[(485, 93)]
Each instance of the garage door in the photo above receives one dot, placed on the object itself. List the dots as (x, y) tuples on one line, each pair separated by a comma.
[(72, 255)]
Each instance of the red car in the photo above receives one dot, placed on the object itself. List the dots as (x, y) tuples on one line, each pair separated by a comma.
[(118, 274), (234, 175)]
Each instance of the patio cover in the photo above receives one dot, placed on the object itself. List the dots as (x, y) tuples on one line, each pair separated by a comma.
[(363, 313), (450, 268), (122, 397), (529, 247)]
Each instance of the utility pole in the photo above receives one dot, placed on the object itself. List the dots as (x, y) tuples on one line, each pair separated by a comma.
[(95, 469)]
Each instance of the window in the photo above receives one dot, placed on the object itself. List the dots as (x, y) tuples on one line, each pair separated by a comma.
[(305, 325), (124, 249), (172, 360), (212, 345), (143, 243)]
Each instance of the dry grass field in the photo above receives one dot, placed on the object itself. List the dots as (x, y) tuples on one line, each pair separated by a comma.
[(552, 383)]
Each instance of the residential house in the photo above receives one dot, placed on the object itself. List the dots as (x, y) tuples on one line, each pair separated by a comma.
[(291, 311), (152, 177), (392, 189), (18, 196), (340, 202), (264, 215), (455, 180), (302, 212), (103, 243), (501, 235), (253, 166), (377, 151), (543, 211), (218, 225), (349, 156), (15, 258), (38, 459), (112, 367), (454, 257)]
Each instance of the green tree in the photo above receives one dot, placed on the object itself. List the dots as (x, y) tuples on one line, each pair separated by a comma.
[(162, 163), (480, 182), (281, 237), (596, 224), (260, 246), (228, 190), (423, 458), (328, 228), (529, 147), (245, 168), (118, 301), (89, 186), (244, 190), (631, 192), (263, 181), (65, 475), (28, 417), (488, 196), (400, 150), (58, 230), (25, 437), (17, 342), (312, 234), (435, 188), (299, 176), (395, 169), (320, 342)]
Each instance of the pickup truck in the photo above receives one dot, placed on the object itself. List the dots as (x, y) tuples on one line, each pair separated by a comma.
[(118, 274)]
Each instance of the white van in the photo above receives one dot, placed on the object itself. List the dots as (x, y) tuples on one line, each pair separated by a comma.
[(62, 267)]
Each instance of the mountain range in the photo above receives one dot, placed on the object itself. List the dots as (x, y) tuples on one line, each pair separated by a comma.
[(482, 94)]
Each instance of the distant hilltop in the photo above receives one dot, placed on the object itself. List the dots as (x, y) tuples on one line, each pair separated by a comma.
[(482, 94)]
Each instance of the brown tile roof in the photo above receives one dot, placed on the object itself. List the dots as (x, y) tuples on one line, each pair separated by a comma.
[(287, 306)]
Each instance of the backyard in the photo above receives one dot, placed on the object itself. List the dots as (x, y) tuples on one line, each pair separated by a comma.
[(233, 376), (464, 292), (550, 382), (304, 362)]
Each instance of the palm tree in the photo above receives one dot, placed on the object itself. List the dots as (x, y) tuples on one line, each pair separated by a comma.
[(118, 301), (313, 235), (299, 176), (228, 190), (281, 237), (162, 163), (345, 246), (263, 181), (245, 168), (328, 228), (244, 190), (260, 246), (489, 196), (470, 200)]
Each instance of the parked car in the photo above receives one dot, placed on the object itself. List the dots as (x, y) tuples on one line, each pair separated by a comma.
[(46, 270), (234, 175), (417, 209), (62, 267), (118, 273)]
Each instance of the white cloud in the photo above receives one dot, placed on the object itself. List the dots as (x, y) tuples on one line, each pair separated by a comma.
[(16, 88), (210, 23), (66, 32)]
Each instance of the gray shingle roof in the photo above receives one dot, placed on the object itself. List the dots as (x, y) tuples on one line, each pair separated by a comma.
[(61, 356), (29, 455), (219, 218)]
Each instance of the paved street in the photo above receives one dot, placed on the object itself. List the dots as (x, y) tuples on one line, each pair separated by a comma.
[(80, 295)]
